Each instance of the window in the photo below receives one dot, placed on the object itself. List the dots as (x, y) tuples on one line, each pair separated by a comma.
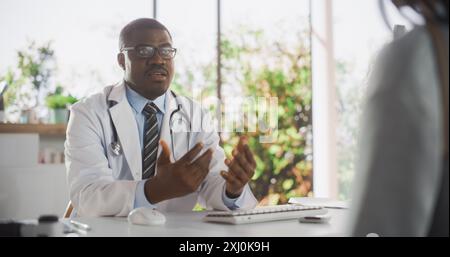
[(266, 57), (359, 34), (193, 25)]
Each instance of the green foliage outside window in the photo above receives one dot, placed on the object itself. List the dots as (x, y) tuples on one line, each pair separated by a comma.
[(255, 66)]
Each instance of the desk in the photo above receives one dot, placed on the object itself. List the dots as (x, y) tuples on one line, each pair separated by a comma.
[(190, 225)]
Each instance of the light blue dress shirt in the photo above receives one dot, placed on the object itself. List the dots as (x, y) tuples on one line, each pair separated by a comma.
[(138, 103)]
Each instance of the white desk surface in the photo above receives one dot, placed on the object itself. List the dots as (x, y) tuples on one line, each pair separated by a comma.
[(189, 224)]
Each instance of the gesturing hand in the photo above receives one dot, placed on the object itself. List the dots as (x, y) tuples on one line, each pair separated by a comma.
[(241, 169), (179, 178)]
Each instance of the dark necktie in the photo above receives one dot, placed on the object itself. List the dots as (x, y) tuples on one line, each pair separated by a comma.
[(151, 138)]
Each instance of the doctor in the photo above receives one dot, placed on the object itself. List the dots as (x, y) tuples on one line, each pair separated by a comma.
[(139, 144)]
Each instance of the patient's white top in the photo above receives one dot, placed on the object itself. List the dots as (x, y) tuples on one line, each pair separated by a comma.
[(400, 171)]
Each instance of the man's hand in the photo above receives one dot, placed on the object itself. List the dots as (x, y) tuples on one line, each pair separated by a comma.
[(241, 169), (179, 178)]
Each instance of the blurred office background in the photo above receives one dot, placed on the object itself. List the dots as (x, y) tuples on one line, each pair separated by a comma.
[(314, 56)]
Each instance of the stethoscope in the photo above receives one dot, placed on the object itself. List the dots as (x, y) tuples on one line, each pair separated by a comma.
[(183, 119)]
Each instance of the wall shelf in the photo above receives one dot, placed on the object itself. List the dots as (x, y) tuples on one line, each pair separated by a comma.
[(41, 129)]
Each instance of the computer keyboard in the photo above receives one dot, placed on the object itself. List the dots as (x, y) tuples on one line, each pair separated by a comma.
[(264, 213)]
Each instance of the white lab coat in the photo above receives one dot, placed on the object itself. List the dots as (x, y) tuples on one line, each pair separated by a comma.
[(103, 184)]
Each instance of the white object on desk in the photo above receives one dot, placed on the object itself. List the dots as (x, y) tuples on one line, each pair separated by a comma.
[(146, 216), (80, 225), (262, 214), (317, 201)]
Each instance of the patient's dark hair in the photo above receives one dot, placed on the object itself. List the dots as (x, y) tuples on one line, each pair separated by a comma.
[(139, 24), (435, 11)]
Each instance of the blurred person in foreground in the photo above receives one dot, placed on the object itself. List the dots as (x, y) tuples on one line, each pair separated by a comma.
[(401, 181)]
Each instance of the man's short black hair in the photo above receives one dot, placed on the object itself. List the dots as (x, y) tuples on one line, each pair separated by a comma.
[(139, 24)]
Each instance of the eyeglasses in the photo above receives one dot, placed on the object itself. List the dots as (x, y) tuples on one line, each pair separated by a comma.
[(145, 51)]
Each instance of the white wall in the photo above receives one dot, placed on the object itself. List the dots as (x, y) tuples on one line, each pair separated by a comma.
[(29, 189), (26, 193)]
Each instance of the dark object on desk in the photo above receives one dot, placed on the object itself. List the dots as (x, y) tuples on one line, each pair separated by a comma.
[(48, 219), (315, 219), (9, 228), (47, 225)]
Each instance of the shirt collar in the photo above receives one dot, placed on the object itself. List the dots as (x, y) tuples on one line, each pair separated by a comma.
[(138, 102)]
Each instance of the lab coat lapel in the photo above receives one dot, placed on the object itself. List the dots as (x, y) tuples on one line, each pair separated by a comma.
[(127, 131)]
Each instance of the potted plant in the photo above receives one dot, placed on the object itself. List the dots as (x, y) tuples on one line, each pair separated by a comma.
[(57, 104), (28, 82)]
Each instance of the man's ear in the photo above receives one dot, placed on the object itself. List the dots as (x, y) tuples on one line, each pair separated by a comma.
[(121, 60)]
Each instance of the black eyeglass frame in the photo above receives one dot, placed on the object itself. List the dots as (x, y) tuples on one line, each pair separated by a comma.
[(153, 51)]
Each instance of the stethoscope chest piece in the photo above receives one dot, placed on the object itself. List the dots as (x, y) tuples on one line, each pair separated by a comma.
[(180, 125), (116, 148)]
